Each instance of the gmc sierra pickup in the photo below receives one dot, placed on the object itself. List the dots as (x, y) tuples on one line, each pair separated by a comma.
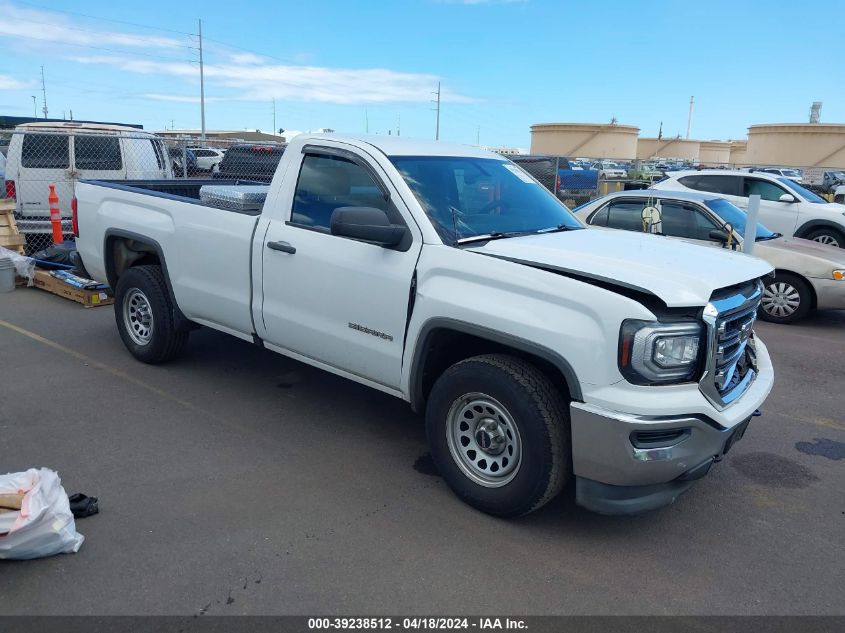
[(447, 276)]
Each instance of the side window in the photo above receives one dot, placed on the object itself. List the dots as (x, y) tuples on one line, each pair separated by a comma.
[(99, 153), (329, 182), (765, 189), (726, 185), (600, 217), (626, 215), (45, 151), (690, 181), (682, 220)]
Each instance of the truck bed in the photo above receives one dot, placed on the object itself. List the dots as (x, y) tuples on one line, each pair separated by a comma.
[(183, 190)]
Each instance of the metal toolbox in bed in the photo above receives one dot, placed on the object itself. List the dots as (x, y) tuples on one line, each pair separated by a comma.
[(234, 197)]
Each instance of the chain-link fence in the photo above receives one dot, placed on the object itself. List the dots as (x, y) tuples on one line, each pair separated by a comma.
[(38, 156), (577, 180)]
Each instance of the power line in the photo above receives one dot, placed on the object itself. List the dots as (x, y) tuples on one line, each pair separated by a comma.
[(96, 17), (110, 50), (139, 38)]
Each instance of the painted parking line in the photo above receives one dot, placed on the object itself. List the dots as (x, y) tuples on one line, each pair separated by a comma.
[(98, 365)]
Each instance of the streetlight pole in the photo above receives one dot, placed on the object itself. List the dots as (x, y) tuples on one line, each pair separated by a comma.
[(202, 86), (34, 107)]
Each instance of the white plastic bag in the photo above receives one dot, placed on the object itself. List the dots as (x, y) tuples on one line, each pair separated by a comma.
[(44, 525)]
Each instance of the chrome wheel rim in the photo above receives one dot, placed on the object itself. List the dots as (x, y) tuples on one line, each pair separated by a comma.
[(827, 239), (138, 317), (483, 440), (781, 299)]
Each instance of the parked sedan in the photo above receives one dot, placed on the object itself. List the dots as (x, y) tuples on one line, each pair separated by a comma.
[(808, 275), (785, 206), (608, 170)]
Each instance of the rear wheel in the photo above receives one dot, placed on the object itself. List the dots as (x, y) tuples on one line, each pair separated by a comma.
[(144, 314), (787, 298), (828, 236), (499, 434)]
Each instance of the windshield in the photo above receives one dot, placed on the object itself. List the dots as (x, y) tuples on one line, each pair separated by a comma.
[(808, 195), (468, 197), (736, 217)]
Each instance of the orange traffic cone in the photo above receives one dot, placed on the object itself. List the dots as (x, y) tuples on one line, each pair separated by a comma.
[(55, 216)]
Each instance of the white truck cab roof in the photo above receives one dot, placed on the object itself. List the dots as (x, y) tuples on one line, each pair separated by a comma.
[(399, 146)]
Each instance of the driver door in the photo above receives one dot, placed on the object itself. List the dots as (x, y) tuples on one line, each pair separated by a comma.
[(338, 301)]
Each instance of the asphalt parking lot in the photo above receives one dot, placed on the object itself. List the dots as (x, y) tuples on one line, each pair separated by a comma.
[(236, 481)]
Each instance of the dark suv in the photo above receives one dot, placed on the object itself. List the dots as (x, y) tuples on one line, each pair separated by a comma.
[(249, 161)]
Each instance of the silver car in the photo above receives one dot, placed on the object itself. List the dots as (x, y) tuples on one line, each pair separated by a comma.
[(808, 275)]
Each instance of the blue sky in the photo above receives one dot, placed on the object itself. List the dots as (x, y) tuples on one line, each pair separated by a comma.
[(503, 64)]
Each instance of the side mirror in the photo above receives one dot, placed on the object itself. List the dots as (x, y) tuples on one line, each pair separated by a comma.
[(787, 197), (718, 235), (368, 224)]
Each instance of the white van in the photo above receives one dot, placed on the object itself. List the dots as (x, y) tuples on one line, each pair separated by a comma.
[(41, 154)]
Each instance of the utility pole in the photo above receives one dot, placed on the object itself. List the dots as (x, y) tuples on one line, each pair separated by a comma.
[(34, 107), (202, 86), (274, 116), (478, 135), (689, 118), (366, 121), (437, 101), (44, 92), (398, 124)]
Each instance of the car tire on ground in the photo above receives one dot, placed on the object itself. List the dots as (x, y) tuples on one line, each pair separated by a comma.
[(144, 314), (829, 236), (499, 434), (787, 298)]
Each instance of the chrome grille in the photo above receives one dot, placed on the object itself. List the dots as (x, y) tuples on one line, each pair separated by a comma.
[(732, 335), (731, 363)]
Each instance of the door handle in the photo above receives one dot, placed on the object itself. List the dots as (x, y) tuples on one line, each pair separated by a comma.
[(281, 246)]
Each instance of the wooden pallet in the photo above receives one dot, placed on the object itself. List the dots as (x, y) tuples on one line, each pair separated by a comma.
[(10, 237)]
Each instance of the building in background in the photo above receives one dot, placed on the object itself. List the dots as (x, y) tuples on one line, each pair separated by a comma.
[(596, 140)]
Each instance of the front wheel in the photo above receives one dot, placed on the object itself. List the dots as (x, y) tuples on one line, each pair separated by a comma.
[(499, 434), (828, 236), (144, 314), (787, 298)]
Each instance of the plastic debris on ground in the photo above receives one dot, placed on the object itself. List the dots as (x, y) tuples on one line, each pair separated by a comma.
[(35, 516), (24, 266)]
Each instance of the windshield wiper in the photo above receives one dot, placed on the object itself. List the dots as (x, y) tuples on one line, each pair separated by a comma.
[(495, 235), (766, 238), (560, 228)]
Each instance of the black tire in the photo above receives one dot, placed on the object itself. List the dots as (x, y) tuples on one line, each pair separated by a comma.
[(827, 235), (533, 405), (778, 294), (144, 287)]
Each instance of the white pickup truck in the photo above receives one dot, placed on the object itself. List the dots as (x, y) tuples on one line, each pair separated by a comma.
[(447, 276)]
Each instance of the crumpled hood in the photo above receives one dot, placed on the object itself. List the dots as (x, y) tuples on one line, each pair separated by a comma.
[(679, 273)]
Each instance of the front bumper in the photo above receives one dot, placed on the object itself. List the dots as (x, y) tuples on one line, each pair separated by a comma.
[(830, 293), (626, 463)]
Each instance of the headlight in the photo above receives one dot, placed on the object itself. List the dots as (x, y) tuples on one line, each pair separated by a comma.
[(839, 275), (652, 352)]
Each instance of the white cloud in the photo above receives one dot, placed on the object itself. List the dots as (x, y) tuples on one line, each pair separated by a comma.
[(245, 58), (56, 29), (10, 83), (261, 82), (242, 76)]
